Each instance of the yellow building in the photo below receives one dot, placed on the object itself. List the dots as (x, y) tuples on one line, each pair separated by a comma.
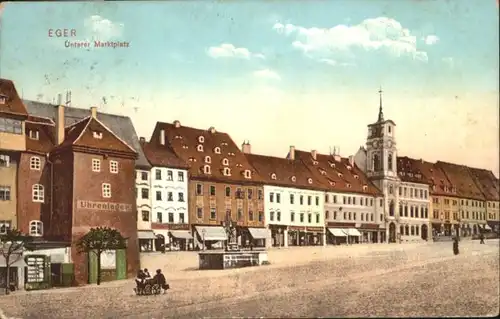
[(471, 202), (12, 140), (488, 183)]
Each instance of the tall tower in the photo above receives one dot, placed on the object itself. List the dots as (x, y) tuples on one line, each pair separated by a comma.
[(381, 164)]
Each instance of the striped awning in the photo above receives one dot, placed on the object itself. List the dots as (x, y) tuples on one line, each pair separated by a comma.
[(211, 232), (337, 232)]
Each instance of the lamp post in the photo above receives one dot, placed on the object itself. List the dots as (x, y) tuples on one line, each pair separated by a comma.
[(203, 231)]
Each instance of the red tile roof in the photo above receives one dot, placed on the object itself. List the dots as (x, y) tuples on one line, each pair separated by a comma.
[(82, 134), (439, 183), (487, 182), (14, 105), (40, 120), (45, 142), (338, 173), (287, 173), (184, 141), (162, 156), (460, 177), (411, 170)]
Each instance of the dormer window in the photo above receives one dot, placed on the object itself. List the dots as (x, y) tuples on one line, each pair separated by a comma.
[(201, 139), (192, 159), (433, 187), (227, 171), (206, 169), (185, 147), (340, 174), (33, 134), (348, 185), (356, 176), (208, 159), (225, 162), (217, 150), (349, 167), (97, 135), (310, 180), (332, 183), (273, 176), (322, 171), (3, 99), (365, 187), (332, 165), (294, 179), (199, 148), (248, 173), (315, 162)]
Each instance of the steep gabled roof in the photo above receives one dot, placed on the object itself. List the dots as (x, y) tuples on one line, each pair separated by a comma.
[(411, 170), (487, 182), (120, 125), (287, 173), (14, 105), (45, 142), (217, 146), (93, 134), (338, 173), (439, 183), (162, 156), (460, 177)]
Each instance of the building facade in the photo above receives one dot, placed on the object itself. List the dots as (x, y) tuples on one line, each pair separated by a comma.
[(471, 201), (294, 200), (223, 187), (413, 201), (489, 185), (352, 203), (169, 197), (13, 116)]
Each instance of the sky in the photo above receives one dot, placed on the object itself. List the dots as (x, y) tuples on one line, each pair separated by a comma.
[(276, 73)]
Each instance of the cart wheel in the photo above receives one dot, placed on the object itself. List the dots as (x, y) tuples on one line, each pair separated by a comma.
[(156, 289)]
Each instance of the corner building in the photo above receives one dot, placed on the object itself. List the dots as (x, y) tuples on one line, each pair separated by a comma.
[(223, 186), (353, 211), (489, 185), (293, 200)]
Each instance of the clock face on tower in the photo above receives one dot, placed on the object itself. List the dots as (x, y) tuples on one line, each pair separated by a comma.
[(389, 144), (375, 144)]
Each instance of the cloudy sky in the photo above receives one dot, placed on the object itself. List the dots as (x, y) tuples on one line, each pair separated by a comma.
[(278, 73)]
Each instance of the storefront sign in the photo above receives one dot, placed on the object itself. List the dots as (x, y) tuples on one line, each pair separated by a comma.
[(296, 228), (336, 224), (315, 229), (104, 206), (108, 259), (168, 226)]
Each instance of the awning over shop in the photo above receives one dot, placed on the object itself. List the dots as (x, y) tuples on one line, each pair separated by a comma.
[(337, 232), (260, 233), (487, 227), (212, 232), (145, 234), (352, 232), (181, 234)]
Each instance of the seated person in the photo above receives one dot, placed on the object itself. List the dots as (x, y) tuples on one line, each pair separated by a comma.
[(139, 280), (161, 280)]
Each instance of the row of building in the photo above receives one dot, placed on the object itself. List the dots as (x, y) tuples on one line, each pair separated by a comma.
[(64, 170)]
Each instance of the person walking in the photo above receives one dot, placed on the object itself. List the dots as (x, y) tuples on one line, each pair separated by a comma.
[(481, 237), (455, 246)]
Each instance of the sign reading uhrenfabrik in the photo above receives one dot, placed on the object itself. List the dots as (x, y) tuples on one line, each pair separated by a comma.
[(104, 206)]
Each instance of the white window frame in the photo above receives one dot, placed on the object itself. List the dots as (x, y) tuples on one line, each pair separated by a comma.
[(34, 134), (5, 226), (97, 135), (309, 180), (106, 190), (248, 173), (38, 228), (96, 165), (199, 148), (113, 167), (35, 163), (225, 162), (217, 150), (6, 159), (170, 175), (208, 159), (273, 176), (201, 139), (227, 171), (38, 193), (206, 169)]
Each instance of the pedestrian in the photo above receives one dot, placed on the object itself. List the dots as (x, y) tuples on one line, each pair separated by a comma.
[(162, 281), (455, 246), (481, 237)]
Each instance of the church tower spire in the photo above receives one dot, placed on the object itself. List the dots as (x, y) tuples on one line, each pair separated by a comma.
[(380, 111)]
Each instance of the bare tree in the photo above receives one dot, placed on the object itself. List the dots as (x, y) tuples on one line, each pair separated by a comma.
[(12, 245)]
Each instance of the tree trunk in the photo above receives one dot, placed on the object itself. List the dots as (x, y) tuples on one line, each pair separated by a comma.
[(99, 267), (7, 276)]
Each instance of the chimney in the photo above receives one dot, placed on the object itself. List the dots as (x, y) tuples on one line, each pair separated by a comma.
[(291, 154), (177, 124), (351, 160), (246, 147), (313, 154), (422, 160), (60, 124), (337, 158), (212, 129), (162, 137), (142, 140), (93, 111)]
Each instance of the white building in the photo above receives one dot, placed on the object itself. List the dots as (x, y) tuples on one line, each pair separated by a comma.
[(168, 195), (294, 201), (379, 161)]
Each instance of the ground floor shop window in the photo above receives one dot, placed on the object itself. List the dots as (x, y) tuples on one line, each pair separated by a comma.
[(145, 245)]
